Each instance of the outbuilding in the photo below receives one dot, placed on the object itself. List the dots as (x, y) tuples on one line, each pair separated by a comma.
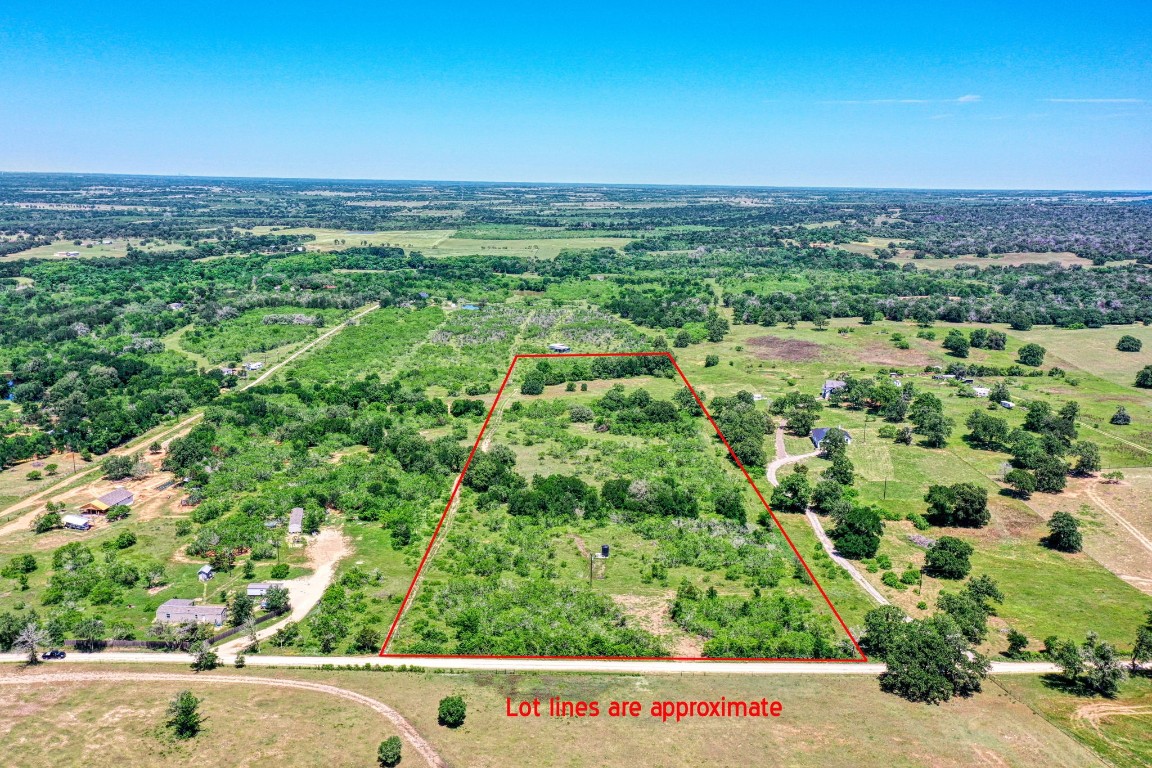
[(559, 348), (119, 497), (296, 520), (205, 573), (76, 522), (260, 588)]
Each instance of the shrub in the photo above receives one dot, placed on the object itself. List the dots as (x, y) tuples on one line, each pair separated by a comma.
[(711, 360), (184, 718), (279, 571), (388, 754), (34, 475), (1121, 417), (452, 711), (1129, 344), (890, 579), (1144, 377)]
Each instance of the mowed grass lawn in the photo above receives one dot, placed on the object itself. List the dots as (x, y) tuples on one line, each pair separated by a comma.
[(826, 721)]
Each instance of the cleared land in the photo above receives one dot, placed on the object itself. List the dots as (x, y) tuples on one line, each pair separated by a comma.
[(451, 242)]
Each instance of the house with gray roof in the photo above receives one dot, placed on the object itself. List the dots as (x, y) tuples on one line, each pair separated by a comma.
[(183, 611)]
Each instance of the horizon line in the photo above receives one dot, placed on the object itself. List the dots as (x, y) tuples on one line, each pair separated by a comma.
[(682, 185)]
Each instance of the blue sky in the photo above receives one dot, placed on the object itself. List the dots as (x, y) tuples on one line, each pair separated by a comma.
[(1050, 95)]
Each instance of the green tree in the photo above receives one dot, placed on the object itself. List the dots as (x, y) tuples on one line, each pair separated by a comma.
[(729, 503), (792, 494), (90, 632), (1142, 649), (34, 475), (1064, 533), (1022, 481), (962, 504), (118, 467), (711, 361), (948, 558), (277, 599), (881, 626), (1051, 474), (858, 533), (929, 661), (1087, 458), (1031, 354), (452, 711), (1121, 417), (533, 384), (206, 658), (184, 718), (682, 339), (388, 753), (956, 343), (987, 431), (1144, 377), (834, 444), (1017, 642), (240, 609), (1129, 344)]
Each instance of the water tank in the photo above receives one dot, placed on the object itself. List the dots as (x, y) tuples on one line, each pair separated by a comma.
[(603, 550)]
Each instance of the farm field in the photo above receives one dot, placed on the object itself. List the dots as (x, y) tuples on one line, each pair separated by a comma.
[(451, 242)]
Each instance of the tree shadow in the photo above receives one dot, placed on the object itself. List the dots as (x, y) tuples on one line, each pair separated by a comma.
[(1062, 684)]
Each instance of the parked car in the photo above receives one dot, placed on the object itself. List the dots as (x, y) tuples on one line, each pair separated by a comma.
[(54, 654)]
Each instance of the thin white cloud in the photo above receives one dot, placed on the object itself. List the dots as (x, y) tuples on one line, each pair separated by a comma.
[(1095, 101), (966, 99)]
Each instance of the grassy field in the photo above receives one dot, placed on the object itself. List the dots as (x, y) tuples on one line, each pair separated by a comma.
[(1119, 730), (247, 336), (826, 721), (109, 724), (1047, 593), (450, 242)]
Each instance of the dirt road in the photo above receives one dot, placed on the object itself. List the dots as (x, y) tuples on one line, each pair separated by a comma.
[(782, 459), (481, 664), (407, 731), (325, 551)]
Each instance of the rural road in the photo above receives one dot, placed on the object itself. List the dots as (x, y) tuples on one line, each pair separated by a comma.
[(595, 666), (407, 731), (782, 458)]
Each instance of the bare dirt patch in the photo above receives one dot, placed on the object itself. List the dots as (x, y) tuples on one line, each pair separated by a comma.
[(650, 613), (883, 353), (792, 350), (1094, 713)]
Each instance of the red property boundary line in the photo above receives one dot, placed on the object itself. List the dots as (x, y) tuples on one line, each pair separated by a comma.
[(715, 426)]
